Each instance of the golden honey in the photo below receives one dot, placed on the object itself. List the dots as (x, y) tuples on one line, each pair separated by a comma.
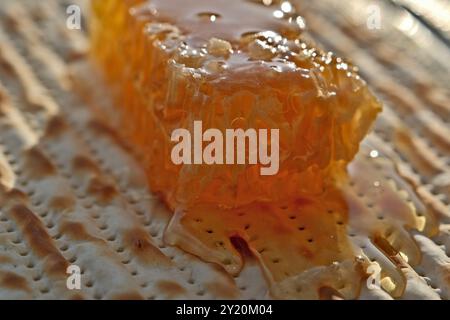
[(230, 64)]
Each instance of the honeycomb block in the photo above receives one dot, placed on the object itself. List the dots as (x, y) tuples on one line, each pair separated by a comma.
[(230, 64)]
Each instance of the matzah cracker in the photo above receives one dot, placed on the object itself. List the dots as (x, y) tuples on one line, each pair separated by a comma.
[(72, 193)]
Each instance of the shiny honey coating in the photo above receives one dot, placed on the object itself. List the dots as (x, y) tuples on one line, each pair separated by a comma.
[(230, 64)]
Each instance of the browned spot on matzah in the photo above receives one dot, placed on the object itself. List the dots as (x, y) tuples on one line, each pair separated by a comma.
[(11, 196), (77, 231), (81, 163), (13, 281), (38, 165), (228, 291), (12, 22), (55, 127), (3, 98), (77, 296), (5, 259), (6, 67), (170, 289), (139, 242), (2, 110), (38, 239), (3, 172), (101, 128), (62, 203), (103, 191), (128, 296), (328, 293), (447, 274)]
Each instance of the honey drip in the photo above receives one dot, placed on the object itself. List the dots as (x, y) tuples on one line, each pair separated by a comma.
[(325, 242)]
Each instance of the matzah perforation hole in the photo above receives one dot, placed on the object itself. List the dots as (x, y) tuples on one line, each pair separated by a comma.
[(24, 253), (37, 202), (171, 257), (76, 187), (17, 240), (5, 151), (219, 243), (148, 223), (120, 249), (96, 215), (23, 183), (41, 212), (134, 273), (98, 296), (12, 161), (44, 290), (88, 205), (82, 196), (200, 293), (17, 170)]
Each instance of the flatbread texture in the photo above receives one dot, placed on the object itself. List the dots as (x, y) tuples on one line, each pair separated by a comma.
[(72, 193)]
